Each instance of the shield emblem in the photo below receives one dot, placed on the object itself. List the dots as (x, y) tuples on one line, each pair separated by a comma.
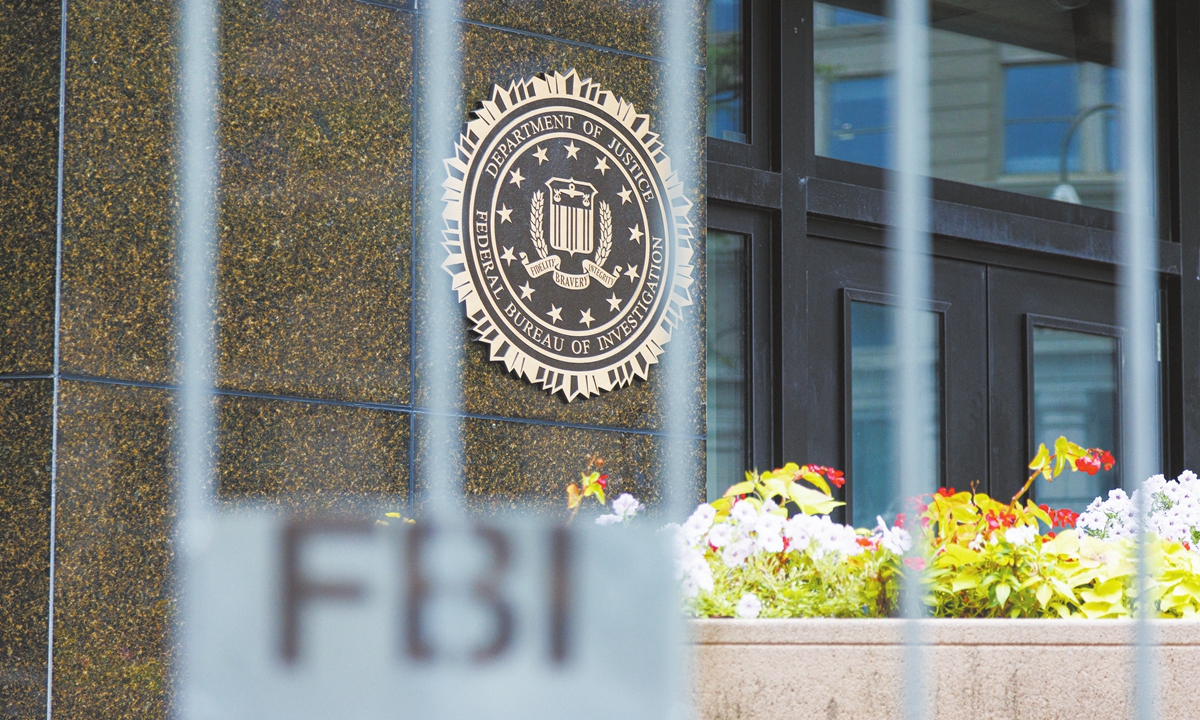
[(571, 205)]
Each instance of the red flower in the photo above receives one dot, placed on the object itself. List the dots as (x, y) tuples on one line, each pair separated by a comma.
[(1088, 464), (603, 481), (924, 522), (915, 563), (1051, 535), (837, 477), (992, 521), (946, 492), (1107, 459), (900, 518)]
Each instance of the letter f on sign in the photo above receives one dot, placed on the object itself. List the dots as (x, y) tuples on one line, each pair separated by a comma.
[(299, 589)]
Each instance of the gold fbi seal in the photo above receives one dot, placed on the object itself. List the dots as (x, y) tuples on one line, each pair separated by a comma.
[(568, 234)]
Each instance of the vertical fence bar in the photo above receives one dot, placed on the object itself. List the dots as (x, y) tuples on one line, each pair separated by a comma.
[(198, 190), (678, 372), (1138, 290), (913, 402), (681, 129), (438, 76)]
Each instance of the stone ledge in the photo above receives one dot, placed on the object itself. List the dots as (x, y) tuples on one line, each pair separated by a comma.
[(828, 669), (836, 631)]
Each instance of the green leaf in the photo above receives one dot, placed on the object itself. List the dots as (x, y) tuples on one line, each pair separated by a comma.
[(964, 582), (1002, 592), (1044, 593), (810, 501), (741, 488), (1041, 459), (1062, 455), (816, 480)]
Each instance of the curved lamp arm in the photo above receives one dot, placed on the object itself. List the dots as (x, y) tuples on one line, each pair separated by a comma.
[(1066, 143)]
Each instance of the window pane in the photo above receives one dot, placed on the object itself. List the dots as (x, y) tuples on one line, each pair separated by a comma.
[(725, 326), (873, 483), (1039, 105), (859, 120), (726, 76), (1009, 81), (841, 16), (1074, 394)]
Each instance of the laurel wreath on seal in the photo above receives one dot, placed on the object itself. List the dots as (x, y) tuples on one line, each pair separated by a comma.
[(605, 246), (537, 207)]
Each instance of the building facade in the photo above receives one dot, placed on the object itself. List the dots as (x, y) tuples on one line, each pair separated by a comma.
[(322, 399)]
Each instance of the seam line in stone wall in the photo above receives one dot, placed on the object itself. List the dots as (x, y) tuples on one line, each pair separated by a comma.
[(57, 367), (15, 377), (385, 407), (532, 34), (413, 64)]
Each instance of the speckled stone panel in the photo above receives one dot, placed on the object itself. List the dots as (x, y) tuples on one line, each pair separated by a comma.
[(311, 457), (514, 466), (113, 592), (493, 56), (25, 429), (316, 183), (119, 194), (112, 580), (630, 25), (29, 70)]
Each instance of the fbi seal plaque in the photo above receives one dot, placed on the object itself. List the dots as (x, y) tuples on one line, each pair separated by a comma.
[(568, 234)]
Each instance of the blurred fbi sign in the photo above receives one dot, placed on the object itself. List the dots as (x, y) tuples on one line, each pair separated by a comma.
[(568, 234), (344, 619)]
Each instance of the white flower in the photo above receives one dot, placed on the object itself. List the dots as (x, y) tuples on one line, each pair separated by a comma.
[(749, 606), (609, 519), (703, 514), (768, 533), (693, 572), (698, 524), (745, 513), (799, 531), (736, 552), (626, 506), (898, 540), (1021, 534), (720, 535)]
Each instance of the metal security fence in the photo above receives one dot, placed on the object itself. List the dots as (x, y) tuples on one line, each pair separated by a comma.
[(908, 213)]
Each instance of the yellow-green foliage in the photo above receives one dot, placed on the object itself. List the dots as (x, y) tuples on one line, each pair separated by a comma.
[(1064, 576), (796, 584)]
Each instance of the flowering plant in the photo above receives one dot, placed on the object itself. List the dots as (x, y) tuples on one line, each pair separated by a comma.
[(745, 555), (1172, 511), (591, 484)]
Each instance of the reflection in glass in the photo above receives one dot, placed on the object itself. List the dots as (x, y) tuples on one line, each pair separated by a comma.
[(858, 124), (726, 73), (873, 481), (1074, 394), (725, 327), (1008, 80), (1040, 102)]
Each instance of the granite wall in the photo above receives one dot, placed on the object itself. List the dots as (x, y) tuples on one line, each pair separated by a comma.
[(320, 397)]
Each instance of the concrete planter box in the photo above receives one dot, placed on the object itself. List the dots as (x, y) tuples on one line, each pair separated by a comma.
[(980, 669)]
